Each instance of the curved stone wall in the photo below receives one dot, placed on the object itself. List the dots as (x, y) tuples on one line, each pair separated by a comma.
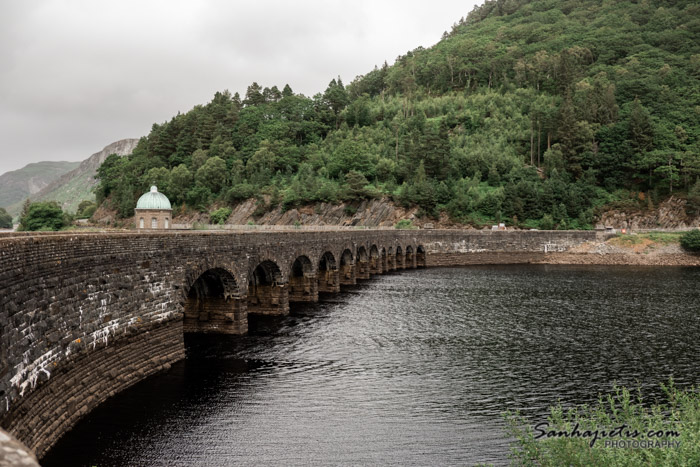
[(84, 316)]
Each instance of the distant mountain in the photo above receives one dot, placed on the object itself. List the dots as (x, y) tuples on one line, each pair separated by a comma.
[(76, 184), (17, 185)]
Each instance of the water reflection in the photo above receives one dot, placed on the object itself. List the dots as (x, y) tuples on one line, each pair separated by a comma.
[(410, 368)]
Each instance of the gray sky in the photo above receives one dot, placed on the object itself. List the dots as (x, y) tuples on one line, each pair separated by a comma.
[(76, 75)]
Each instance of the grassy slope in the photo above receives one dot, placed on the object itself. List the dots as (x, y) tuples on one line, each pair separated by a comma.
[(18, 184)]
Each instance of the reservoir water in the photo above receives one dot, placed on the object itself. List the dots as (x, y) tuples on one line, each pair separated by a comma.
[(409, 368)]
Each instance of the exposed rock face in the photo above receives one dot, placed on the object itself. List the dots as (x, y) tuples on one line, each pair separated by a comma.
[(77, 185), (370, 213), (669, 215), (16, 185)]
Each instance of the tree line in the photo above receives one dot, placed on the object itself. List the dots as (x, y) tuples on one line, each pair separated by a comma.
[(535, 113)]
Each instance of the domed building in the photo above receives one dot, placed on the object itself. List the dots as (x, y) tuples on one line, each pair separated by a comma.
[(153, 210)]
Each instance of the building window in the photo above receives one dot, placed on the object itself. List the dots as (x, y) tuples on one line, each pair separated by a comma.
[(154, 223), (167, 223), (141, 223)]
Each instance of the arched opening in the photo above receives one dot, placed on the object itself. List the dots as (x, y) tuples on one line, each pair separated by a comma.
[(383, 260), (214, 304), (391, 259), (167, 223), (328, 274), (362, 264), (421, 261), (347, 268), (410, 257), (142, 224), (375, 266), (303, 286), (400, 258), (267, 294), (154, 223)]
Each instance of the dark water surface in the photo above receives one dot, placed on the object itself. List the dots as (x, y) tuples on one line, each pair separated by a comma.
[(410, 368)]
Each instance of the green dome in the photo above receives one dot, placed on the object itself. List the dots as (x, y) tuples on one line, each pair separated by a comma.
[(153, 200)]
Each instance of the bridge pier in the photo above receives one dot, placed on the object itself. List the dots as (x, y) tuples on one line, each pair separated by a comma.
[(391, 262), (329, 281), (328, 274), (420, 257), (347, 274), (216, 315), (268, 299), (410, 258), (214, 305), (400, 261), (267, 294), (363, 269), (375, 266), (303, 288), (348, 270)]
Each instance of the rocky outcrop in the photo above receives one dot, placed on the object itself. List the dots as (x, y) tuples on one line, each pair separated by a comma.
[(16, 185), (370, 213), (669, 215), (77, 185)]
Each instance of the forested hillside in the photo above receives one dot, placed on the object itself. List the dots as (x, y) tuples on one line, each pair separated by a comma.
[(530, 112)]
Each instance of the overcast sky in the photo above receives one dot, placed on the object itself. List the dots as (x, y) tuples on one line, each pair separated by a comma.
[(77, 75)]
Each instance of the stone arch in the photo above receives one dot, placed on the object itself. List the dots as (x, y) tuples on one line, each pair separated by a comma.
[(328, 273), (347, 268), (303, 286), (383, 262), (375, 266), (362, 253), (400, 258), (421, 260), (410, 257), (214, 304), (268, 294), (362, 265)]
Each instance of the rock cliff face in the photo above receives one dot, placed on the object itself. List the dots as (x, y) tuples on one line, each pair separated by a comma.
[(75, 186), (371, 213), (16, 185), (669, 215)]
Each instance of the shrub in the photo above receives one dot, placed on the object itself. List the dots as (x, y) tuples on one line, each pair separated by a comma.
[(219, 216), (678, 420), (86, 209), (240, 192), (43, 216), (404, 224), (547, 223), (691, 240)]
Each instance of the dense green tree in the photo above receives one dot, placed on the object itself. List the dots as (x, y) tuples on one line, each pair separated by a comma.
[(180, 182), (86, 209), (528, 110), (212, 174), (5, 219), (43, 216), (336, 97), (691, 240)]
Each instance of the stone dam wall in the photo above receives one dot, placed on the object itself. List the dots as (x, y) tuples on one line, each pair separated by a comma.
[(85, 316)]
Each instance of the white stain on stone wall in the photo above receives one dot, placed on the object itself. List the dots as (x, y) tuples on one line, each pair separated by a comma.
[(28, 374)]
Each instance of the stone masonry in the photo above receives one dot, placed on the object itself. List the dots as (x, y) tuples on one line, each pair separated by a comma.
[(86, 315)]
